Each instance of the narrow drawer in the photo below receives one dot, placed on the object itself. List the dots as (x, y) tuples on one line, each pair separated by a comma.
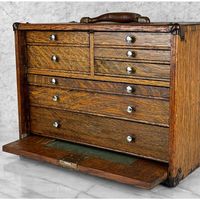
[(132, 70), (124, 107), (132, 39), (57, 37), (100, 86), (133, 54), (74, 59), (147, 140)]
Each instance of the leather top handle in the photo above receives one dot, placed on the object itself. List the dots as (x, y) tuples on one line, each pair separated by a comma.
[(120, 17)]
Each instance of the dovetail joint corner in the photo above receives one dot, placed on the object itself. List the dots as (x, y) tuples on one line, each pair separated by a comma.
[(174, 181), (177, 29), (15, 26)]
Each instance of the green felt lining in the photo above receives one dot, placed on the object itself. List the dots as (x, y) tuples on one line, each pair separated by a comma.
[(92, 151)]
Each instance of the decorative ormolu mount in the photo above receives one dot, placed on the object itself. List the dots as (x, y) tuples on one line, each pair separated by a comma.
[(174, 181), (120, 17), (176, 29), (15, 26)]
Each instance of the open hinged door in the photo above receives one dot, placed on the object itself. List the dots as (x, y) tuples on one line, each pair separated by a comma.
[(103, 163)]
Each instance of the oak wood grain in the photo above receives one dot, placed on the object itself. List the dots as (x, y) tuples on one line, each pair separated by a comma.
[(100, 86), (140, 70), (59, 73), (149, 141), (141, 173), (149, 110), (61, 37), (185, 126), (151, 27), (74, 59), (139, 39), (120, 53), (22, 87)]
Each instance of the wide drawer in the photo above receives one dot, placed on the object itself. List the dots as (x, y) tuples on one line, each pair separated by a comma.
[(57, 37), (133, 54), (132, 39), (75, 59), (132, 69), (100, 86), (147, 140), (125, 107)]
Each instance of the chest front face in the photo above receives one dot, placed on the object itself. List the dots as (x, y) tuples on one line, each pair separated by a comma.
[(118, 79), (105, 88)]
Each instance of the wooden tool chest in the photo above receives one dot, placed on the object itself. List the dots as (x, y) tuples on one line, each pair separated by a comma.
[(119, 101)]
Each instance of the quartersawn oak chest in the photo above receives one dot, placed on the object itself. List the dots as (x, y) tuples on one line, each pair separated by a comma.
[(115, 100)]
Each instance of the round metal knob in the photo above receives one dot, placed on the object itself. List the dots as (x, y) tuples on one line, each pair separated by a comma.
[(130, 70), (52, 37), (54, 58), (129, 89), (55, 98), (130, 39), (53, 81), (130, 54), (129, 138), (56, 124), (130, 109)]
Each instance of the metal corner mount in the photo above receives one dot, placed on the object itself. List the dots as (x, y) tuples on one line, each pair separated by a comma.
[(177, 29), (174, 181), (15, 26)]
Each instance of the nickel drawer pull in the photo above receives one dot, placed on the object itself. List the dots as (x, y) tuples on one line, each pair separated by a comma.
[(130, 89), (56, 124), (52, 37), (130, 39), (130, 109), (130, 138), (54, 58), (130, 70), (130, 54), (54, 81), (55, 98)]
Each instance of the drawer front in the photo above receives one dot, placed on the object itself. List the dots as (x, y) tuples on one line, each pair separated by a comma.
[(74, 59), (57, 37), (100, 86), (125, 107), (147, 140), (132, 39), (132, 70), (133, 54)]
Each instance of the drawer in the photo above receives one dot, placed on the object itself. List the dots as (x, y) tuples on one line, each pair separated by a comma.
[(124, 168), (133, 54), (132, 39), (100, 86), (147, 140), (74, 59), (132, 70), (123, 107), (57, 37)]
